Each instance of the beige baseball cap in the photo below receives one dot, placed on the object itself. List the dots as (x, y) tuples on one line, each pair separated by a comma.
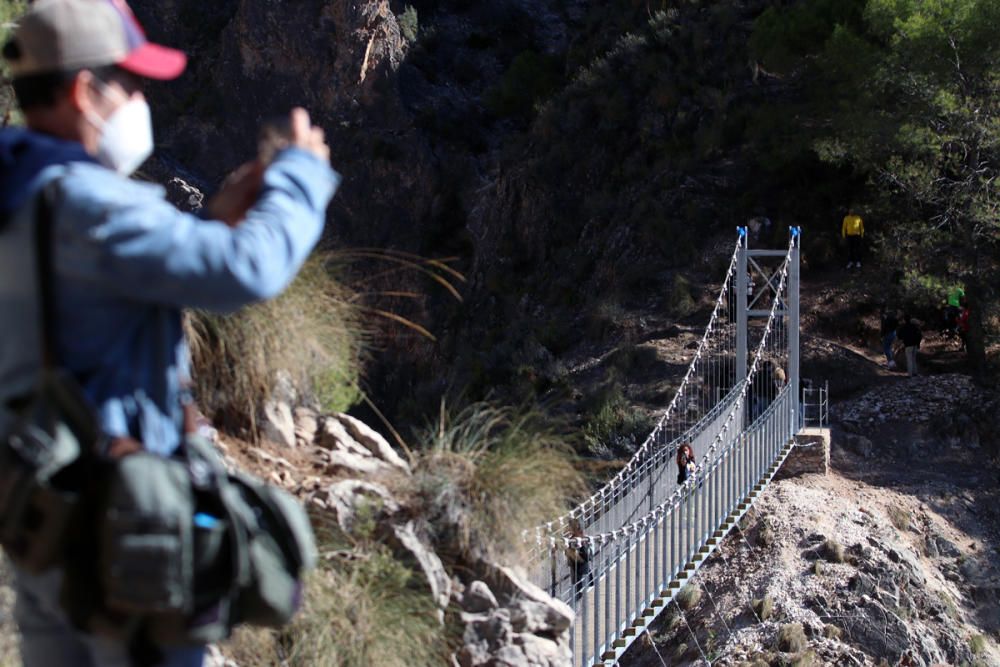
[(64, 35)]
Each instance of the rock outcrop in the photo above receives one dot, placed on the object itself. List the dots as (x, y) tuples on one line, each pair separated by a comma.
[(861, 588), (502, 618)]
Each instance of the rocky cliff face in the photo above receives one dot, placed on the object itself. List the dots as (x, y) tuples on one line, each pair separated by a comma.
[(251, 61), (570, 154)]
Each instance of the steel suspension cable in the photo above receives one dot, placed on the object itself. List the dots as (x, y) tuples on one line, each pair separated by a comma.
[(644, 450)]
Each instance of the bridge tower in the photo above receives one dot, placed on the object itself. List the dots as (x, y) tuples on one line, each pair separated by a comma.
[(788, 302)]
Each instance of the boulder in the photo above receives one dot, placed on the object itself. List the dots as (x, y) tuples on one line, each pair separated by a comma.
[(370, 439), (533, 651), (333, 436), (344, 498), (306, 425), (946, 547), (340, 463), (183, 195), (478, 598), (879, 632), (277, 424), (484, 634), (404, 538), (532, 606)]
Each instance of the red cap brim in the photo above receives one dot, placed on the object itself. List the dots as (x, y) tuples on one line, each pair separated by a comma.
[(155, 62)]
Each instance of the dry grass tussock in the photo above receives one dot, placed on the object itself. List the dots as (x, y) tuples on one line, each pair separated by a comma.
[(312, 332), (487, 474), (365, 609)]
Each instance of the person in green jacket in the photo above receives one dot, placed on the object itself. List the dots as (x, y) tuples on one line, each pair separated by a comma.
[(952, 309), (853, 229)]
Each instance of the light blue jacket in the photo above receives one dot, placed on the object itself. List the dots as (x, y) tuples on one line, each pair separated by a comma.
[(126, 263)]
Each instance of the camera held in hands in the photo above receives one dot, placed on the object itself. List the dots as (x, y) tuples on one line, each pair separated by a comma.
[(274, 136)]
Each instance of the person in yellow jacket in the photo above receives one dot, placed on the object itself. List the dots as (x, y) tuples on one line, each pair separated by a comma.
[(853, 229)]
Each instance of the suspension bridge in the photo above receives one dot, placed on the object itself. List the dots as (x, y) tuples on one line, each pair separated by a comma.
[(622, 555)]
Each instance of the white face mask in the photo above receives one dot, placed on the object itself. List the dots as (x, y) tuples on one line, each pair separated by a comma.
[(126, 136)]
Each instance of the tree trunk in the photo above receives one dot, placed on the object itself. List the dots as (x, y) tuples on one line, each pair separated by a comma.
[(975, 340)]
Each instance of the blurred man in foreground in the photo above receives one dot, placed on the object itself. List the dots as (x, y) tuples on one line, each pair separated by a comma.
[(124, 262)]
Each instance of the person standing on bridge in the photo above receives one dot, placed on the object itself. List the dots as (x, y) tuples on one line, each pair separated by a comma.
[(685, 463), (578, 557), (853, 229)]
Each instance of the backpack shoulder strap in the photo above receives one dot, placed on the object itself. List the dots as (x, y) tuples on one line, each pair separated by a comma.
[(45, 267)]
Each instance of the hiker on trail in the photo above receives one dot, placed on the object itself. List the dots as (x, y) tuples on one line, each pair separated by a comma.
[(578, 557), (962, 323), (889, 325), (685, 463), (909, 334), (952, 309), (124, 262), (853, 229)]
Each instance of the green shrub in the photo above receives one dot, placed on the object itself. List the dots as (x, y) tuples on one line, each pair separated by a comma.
[(531, 78), (679, 300), (977, 644), (820, 250), (310, 332), (950, 608), (782, 36), (923, 292), (792, 638), (409, 24), (614, 424), (632, 359), (603, 318)]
